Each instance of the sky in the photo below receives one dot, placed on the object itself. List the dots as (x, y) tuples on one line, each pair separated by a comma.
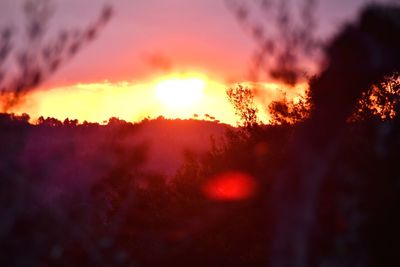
[(146, 42)]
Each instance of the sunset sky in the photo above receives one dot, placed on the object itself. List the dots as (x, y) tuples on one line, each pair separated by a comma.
[(147, 43)]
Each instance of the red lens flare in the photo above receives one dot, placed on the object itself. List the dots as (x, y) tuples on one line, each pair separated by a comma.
[(230, 186)]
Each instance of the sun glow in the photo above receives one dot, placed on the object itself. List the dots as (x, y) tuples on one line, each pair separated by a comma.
[(177, 95), (180, 92)]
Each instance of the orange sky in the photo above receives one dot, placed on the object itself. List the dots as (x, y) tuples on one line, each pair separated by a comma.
[(117, 74), (133, 101)]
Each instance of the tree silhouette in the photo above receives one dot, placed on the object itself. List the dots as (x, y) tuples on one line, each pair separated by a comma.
[(242, 99), (352, 58), (23, 69), (380, 101), (286, 111), (360, 55), (286, 39)]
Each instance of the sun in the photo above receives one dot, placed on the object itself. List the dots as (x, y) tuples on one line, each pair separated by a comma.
[(178, 93)]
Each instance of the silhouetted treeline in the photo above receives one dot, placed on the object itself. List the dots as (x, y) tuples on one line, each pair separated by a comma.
[(81, 197), (77, 194), (71, 186)]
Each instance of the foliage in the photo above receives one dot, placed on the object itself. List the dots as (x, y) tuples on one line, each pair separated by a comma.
[(381, 100), (281, 111), (242, 99), (285, 40), (287, 111), (24, 68)]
